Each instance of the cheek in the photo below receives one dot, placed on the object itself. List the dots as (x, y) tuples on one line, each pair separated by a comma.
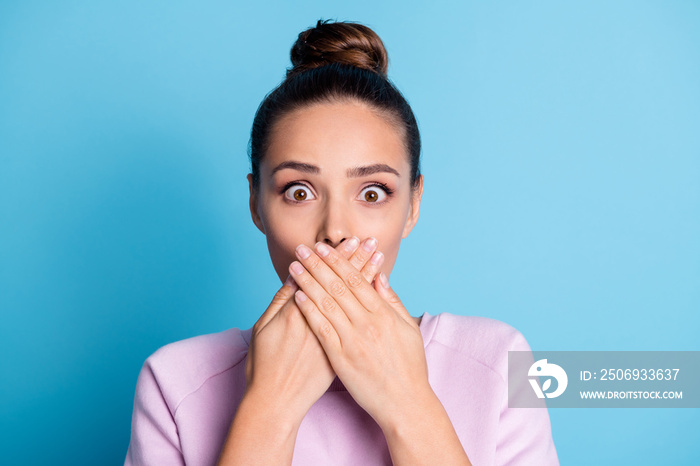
[(283, 236), (388, 232), (390, 249), (281, 255)]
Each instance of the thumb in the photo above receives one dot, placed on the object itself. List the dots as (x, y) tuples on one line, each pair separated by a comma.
[(282, 297)]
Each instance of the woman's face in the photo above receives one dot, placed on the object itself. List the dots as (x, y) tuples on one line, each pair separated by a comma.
[(333, 171)]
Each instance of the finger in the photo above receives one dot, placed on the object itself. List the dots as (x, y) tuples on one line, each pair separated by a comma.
[(319, 324), (283, 296), (322, 286), (385, 291), (361, 299), (348, 247), (362, 259), (371, 268), (363, 254)]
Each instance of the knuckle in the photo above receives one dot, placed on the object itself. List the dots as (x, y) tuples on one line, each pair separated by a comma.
[(394, 299), (332, 258), (280, 297), (313, 263), (355, 262), (325, 330), (310, 309), (361, 257), (303, 280), (354, 279), (327, 304), (337, 288)]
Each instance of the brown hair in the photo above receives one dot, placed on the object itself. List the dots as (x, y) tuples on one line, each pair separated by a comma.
[(348, 43), (336, 61)]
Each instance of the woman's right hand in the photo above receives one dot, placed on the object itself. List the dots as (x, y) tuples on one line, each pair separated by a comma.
[(286, 364)]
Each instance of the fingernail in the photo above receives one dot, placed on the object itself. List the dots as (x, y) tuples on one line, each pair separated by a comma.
[(383, 280), (296, 267), (352, 244), (323, 249), (291, 283), (303, 252), (370, 244), (301, 296), (376, 258)]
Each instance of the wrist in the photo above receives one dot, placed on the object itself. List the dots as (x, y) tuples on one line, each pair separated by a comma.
[(424, 434), (412, 413), (261, 433), (271, 405)]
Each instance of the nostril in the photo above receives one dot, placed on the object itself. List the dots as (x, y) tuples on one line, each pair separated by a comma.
[(330, 242)]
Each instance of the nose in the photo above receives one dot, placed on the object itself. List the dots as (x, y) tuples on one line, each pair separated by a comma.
[(335, 225)]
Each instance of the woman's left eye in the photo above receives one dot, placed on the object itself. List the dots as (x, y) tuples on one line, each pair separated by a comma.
[(373, 194)]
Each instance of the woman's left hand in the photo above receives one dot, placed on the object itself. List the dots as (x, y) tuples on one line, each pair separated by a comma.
[(372, 342)]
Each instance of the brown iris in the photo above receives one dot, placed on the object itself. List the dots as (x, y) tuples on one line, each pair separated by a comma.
[(371, 196), (299, 194)]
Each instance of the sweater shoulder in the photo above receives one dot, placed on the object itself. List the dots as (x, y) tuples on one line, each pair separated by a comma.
[(482, 339), (182, 367)]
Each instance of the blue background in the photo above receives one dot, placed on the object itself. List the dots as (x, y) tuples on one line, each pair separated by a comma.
[(562, 163)]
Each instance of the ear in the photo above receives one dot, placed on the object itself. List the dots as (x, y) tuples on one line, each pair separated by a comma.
[(253, 204), (414, 208)]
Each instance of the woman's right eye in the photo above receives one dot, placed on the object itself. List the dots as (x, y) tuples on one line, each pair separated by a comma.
[(299, 193)]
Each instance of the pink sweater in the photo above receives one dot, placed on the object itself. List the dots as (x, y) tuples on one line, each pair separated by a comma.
[(187, 394)]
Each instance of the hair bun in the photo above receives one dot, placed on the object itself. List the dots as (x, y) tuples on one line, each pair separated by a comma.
[(339, 42)]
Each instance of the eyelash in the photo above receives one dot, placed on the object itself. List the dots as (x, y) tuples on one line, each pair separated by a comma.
[(389, 192)]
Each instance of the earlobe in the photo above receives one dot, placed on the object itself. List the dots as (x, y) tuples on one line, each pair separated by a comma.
[(253, 204), (414, 209)]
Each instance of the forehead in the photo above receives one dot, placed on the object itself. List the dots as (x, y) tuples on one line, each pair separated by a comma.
[(335, 136)]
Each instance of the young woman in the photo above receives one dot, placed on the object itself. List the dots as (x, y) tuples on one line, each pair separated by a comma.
[(336, 370)]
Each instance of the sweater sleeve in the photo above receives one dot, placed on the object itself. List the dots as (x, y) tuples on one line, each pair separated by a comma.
[(154, 437), (525, 434)]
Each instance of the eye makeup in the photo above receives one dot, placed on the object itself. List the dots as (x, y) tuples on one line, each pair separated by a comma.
[(389, 192)]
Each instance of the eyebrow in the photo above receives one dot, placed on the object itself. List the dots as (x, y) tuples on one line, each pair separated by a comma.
[(356, 172), (302, 167)]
